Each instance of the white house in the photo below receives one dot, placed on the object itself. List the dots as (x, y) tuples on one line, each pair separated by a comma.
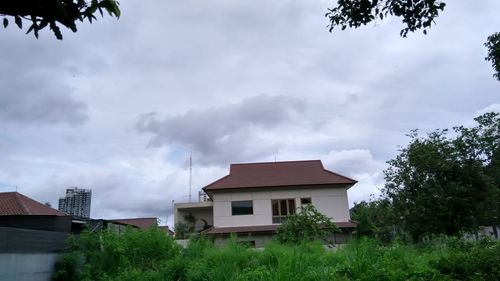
[(255, 198)]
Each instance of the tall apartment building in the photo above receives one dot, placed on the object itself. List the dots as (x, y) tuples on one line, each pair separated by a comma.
[(76, 202)]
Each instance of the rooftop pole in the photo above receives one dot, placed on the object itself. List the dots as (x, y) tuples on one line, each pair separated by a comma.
[(190, 175)]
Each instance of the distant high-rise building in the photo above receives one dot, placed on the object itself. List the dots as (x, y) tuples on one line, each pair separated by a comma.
[(76, 202)]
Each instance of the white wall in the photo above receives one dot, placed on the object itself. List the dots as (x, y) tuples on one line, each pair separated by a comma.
[(331, 201)]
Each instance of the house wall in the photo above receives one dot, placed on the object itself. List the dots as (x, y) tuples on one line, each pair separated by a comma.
[(200, 210), (29, 255), (330, 201), (27, 266)]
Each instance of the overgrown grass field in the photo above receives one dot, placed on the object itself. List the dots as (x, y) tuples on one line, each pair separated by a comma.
[(151, 255)]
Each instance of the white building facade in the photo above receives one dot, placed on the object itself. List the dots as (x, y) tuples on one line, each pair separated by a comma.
[(255, 198)]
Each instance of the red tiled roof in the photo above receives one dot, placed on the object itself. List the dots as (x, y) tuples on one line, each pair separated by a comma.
[(14, 203), (142, 223), (262, 228), (275, 174)]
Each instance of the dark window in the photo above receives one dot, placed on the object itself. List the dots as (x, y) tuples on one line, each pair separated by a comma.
[(305, 201), (242, 207), (282, 208)]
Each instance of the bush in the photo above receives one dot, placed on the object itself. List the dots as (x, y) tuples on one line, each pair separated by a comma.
[(151, 255), (305, 226)]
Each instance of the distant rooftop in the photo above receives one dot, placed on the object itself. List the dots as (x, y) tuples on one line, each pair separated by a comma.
[(142, 223), (278, 174), (14, 203)]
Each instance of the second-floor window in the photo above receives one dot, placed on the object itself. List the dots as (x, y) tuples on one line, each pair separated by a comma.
[(282, 208), (242, 207)]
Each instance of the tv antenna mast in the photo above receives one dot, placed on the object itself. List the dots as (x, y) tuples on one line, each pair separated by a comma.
[(190, 175)]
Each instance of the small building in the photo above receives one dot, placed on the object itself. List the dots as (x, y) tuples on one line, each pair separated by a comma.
[(140, 223), (31, 237), (255, 198)]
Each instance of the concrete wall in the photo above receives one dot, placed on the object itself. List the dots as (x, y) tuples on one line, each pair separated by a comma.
[(27, 267), (27, 254), (331, 201), (200, 210)]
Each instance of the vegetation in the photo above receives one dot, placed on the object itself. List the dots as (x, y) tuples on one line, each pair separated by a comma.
[(187, 228), (151, 255), (376, 219), (415, 15), (442, 184), (54, 13), (305, 226)]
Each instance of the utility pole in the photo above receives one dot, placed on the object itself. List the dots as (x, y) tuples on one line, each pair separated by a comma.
[(190, 175)]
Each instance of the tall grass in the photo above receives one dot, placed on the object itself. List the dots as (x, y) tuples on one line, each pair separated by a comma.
[(150, 255)]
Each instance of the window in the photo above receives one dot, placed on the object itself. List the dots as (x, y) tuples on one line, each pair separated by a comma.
[(282, 208), (242, 207), (305, 201)]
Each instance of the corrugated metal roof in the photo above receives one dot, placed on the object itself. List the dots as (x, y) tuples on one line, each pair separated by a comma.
[(278, 174), (14, 203)]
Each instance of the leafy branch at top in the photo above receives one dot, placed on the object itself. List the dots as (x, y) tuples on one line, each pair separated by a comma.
[(415, 14), (54, 13)]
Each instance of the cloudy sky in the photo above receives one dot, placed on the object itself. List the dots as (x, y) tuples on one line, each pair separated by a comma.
[(119, 106)]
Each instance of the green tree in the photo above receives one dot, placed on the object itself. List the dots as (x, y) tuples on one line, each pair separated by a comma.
[(375, 219), (493, 45), (54, 13), (441, 184), (415, 15), (306, 225)]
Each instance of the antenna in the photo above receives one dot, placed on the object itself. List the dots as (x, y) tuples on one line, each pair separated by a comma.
[(190, 175)]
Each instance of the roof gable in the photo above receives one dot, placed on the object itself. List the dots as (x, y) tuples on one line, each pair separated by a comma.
[(276, 174), (14, 203)]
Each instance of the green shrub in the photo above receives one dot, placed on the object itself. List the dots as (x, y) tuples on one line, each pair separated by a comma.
[(305, 226), (151, 255)]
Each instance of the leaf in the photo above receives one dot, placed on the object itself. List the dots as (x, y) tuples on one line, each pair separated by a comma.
[(32, 27), (56, 30), (5, 22), (42, 24), (18, 21)]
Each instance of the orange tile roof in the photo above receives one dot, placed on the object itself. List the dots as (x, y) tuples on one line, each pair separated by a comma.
[(142, 223), (276, 174), (14, 203)]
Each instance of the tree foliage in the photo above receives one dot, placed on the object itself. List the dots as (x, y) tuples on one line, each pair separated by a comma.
[(304, 226), (54, 13), (415, 15), (493, 45), (442, 184), (375, 219)]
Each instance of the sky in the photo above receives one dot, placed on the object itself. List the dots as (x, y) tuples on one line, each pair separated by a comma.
[(119, 106)]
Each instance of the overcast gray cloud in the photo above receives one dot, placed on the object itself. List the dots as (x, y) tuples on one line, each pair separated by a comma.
[(224, 133), (29, 97), (72, 112)]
